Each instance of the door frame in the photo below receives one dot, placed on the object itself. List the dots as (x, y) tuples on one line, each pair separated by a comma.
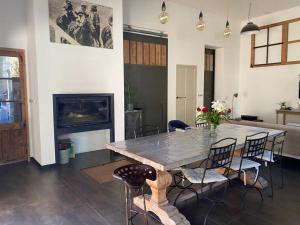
[(213, 51), (20, 53)]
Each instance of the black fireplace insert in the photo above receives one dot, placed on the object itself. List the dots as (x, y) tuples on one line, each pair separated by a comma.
[(82, 111), (75, 113)]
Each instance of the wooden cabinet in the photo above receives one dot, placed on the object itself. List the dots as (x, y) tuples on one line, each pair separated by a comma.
[(13, 145), (13, 107)]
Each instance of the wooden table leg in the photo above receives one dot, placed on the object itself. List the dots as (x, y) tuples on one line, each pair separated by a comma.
[(158, 202), (284, 118)]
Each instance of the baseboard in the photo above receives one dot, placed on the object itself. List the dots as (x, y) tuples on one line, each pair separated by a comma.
[(291, 156), (40, 166), (13, 162)]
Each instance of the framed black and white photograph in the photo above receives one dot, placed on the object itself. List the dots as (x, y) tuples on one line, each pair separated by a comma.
[(79, 22)]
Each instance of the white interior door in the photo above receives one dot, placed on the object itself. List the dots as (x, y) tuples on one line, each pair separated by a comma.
[(186, 92)]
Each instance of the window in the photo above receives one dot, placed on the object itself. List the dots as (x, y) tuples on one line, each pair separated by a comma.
[(276, 44)]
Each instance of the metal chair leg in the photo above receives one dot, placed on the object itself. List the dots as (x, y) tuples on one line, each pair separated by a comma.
[(130, 205), (282, 183), (271, 181), (215, 202), (176, 183), (145, 209), (224, 192), (127, 205), (178, 195), (209, 211), (196, 193)]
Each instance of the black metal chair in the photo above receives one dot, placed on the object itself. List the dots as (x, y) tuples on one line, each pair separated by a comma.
[(273, 155), (134, 176), (177, 124), (251, 153), (219, 157)]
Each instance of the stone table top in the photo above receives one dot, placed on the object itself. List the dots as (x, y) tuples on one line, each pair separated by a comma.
[(168, 151)]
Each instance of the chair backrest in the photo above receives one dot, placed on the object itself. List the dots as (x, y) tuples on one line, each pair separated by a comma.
[(146, 130), (255, 145), (221, 153), (135, 174), (278, 143), (177, 124)]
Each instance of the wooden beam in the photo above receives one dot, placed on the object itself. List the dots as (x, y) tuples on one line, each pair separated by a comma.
[(152, 54), (158, 54), (164, 55), (126, 51), (146, 53), (132, 52), (293, 62), (294, 41), (280, 23), (139, 50), (284, 48), (264, 65)]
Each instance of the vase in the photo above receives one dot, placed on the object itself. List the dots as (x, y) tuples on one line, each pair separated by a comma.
[(130, 107), (212, 131)]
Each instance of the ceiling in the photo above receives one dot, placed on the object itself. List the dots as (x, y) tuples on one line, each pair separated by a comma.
[(239, 8)]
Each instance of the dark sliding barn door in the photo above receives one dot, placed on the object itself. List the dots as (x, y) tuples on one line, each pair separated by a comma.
[(146, 73)]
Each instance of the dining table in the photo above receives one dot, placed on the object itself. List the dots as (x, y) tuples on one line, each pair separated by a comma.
[(168, 151)]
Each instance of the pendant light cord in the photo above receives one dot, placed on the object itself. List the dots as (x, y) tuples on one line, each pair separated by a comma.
[(250, 6), (227, 9)]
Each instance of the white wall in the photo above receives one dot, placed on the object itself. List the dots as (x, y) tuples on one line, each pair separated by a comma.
[(71, 69), (14, 34), (261, 88), (186, 44), (13, 24)]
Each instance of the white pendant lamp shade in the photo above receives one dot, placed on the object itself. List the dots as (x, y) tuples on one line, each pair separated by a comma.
[(163, 16)]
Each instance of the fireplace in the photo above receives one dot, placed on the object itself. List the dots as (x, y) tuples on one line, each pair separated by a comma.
[(82, 111), (75, 113)]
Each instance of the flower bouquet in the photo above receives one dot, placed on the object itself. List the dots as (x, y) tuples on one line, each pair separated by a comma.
[(213, 118)]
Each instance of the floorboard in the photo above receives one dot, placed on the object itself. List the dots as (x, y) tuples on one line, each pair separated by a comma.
[(64, 195)]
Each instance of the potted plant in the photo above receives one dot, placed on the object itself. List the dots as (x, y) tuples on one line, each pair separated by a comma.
[(282, 105), (129, 93), (218, 113)]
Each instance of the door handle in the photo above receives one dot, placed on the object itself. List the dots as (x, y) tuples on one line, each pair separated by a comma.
[(179, 97)]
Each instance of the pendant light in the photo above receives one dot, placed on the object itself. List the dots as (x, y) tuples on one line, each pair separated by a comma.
[(163, 16), (227, 31), (250, 28), (200, 24)]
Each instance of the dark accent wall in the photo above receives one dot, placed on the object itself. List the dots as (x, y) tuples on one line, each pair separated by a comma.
[(150, 84)]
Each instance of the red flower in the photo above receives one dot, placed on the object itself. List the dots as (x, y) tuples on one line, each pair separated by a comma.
[(204, 109), (198, 109), (229, 110), (222, 113)]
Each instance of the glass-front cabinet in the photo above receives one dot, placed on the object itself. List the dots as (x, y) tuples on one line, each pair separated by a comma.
[(13, 107), (10, 90)]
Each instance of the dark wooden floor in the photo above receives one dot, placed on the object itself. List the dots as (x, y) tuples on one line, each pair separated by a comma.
[(63, 195)]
